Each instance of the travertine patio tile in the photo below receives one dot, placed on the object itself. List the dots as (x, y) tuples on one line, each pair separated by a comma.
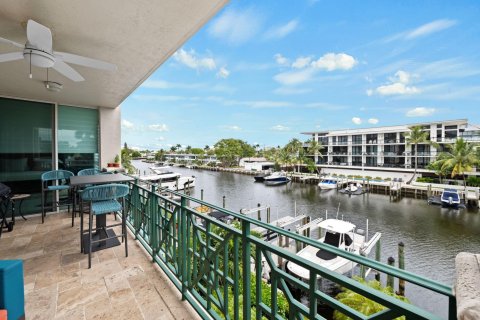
[(58, 284)]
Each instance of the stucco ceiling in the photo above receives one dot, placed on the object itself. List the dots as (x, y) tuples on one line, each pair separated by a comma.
[(137, 36)]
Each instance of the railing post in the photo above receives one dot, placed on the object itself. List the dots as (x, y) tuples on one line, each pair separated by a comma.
[(184, 240), (246, 269), (401, 265)]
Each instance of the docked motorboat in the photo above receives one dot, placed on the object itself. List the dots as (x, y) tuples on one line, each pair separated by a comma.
[(276, 178), (260, 177), (168, 179), (339, 234), (450, 198), (328, 183), (353, 188)]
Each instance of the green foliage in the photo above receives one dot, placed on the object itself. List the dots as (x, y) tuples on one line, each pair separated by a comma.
[(460, 158), (378, 178), (126, 160), (135, 154), (362, 304), (311, 167), (197, 151), (388, 179), (414, 137), (425, 179), (229, 151), (473, 181), (117, 159), (159, 155)]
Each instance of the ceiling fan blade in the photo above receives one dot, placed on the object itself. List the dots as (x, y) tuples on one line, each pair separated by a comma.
[(67, 71), (11, 56), (84, 61), (39, 36), (12, 43)]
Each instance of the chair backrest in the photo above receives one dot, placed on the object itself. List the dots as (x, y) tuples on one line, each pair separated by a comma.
[(105, 192), (88, 172), (56, 175)]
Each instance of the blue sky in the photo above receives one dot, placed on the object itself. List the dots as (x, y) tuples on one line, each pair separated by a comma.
[(264, 71)]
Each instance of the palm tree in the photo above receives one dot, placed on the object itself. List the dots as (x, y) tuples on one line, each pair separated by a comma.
[(295, 148), (314, 147), (415, 137), (460, 158)]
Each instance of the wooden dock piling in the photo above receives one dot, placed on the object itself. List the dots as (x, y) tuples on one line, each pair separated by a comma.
[(390, 279)]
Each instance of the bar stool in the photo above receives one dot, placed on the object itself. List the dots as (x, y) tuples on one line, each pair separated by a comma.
[(55, 180), (104, 199), (83, 172)]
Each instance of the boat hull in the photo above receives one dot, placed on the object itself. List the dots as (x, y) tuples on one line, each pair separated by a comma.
[(276, 182)]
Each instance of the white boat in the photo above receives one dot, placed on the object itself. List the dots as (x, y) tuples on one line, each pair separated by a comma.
[(353, 187), (276, 178), (328, 183), (450, 198), (167, 179), (342, 235)]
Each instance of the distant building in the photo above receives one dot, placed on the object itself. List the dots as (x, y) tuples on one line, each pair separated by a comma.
[(385, 149), (256, 164), (189, 158)]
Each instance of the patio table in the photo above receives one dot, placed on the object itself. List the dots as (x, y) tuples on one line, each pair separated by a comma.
[(101, 220)]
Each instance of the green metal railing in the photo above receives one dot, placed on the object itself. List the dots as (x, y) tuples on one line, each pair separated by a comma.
[(218, 268)]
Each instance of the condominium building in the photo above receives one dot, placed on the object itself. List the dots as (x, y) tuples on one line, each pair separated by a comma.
[(189, 158), (385, 148)]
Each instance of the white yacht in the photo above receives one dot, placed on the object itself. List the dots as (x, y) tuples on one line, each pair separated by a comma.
[(342, 235), (168, 179), (328, 183)]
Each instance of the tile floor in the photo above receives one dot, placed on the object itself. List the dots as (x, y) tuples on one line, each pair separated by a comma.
[(58, 284)]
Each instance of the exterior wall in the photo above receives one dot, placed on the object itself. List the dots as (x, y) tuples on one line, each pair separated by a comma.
[(384, 147), (109, 135)]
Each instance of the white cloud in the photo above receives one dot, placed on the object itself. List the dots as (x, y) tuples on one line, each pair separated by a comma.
[(399, 85), (396, 88), (294, 77), (281, 60), (429, 28), (127, 124), (335, 61), (233, 128), (281, 31), (160, 139), (301, 62), (373, 120), (158, 127), (236, 26), (279, 127), (356, 120), (420, 112), (268, 104), (223, 73), (191, 60)]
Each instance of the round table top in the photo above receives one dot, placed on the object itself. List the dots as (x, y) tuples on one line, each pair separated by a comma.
[(19, 196)]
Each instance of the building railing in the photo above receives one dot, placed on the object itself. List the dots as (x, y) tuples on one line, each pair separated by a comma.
[(218, 268)]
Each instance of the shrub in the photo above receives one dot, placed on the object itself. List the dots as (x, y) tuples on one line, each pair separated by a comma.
[(473, 181), (362, 304), (378, 178), (425, 179)]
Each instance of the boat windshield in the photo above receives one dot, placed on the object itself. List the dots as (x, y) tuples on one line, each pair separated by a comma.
[(332, 239), (447, 194)]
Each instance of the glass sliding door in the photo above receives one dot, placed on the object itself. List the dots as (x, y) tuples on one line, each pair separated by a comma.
[(77, 138), (25, 147)]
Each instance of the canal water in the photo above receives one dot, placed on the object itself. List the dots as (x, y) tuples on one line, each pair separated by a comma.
[(432, 235)]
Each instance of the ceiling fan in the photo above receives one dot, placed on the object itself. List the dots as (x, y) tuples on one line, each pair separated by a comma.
[(38, 52)]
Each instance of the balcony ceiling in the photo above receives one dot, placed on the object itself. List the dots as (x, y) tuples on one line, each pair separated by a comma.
[(137, 36)]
